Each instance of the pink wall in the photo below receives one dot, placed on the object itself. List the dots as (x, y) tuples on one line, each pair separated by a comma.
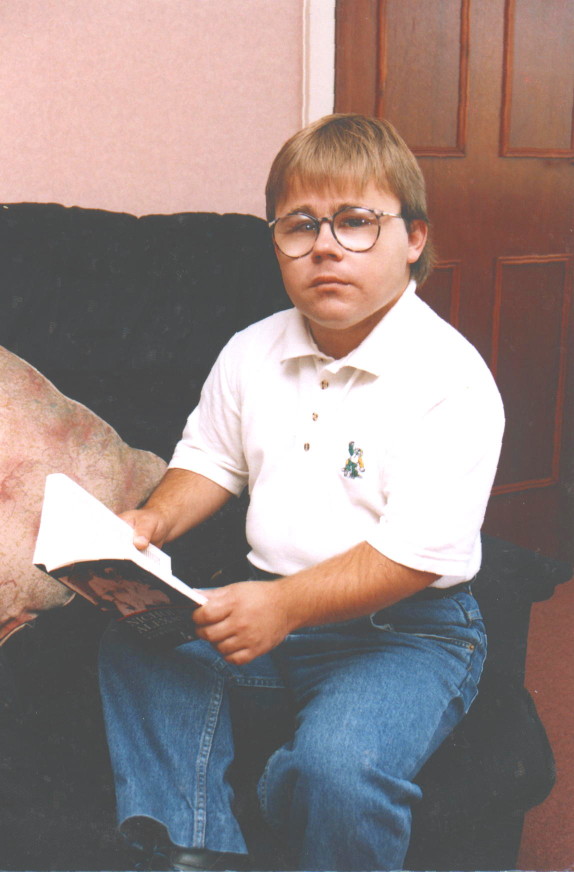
[(147, 105)]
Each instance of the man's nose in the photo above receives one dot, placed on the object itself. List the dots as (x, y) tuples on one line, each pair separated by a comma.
[(326, 244)]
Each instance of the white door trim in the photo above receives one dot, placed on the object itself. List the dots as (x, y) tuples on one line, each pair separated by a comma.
[(318, 59)]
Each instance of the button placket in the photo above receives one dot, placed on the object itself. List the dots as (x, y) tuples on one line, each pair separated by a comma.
[(319, 408), (316, 415)]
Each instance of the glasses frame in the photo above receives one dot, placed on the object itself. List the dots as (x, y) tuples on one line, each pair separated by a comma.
[(318, 222)]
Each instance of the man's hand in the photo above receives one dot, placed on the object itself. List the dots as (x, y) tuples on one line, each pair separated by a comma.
[(243, 620), (149, 525), (182, 500), (248, 619)]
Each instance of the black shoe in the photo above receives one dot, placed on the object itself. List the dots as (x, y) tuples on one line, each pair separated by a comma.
[(146, 845), (149, 849), (195, 859)]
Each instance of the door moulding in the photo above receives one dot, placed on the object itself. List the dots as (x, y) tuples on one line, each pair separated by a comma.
[(318, 59)]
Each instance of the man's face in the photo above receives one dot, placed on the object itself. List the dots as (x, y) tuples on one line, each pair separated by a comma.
[(344, 294)]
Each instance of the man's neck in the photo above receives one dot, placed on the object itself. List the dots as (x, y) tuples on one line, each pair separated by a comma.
[(337, 343)]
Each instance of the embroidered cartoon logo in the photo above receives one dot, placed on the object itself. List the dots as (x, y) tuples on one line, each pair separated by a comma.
[(354, 466)]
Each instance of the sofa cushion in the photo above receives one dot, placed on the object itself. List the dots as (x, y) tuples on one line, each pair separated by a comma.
[(43, 431), (126, 314)]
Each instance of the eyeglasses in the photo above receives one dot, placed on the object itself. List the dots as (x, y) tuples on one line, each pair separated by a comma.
[(355, 228)]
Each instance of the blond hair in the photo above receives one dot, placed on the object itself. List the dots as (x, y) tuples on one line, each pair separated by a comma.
[(344, 149)]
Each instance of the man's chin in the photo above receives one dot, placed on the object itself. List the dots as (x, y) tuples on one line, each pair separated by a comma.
[(333, 317)]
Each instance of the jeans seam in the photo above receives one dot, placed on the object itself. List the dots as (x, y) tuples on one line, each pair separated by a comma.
[(470, 615), (223, 671), (201, 799), (262, 793), (480, 650)]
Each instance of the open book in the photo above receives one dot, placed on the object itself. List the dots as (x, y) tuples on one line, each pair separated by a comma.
[(88, 548)]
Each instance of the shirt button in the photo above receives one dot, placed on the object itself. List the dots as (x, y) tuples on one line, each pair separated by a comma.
[(315, 416), (324, 385), (306, 446)]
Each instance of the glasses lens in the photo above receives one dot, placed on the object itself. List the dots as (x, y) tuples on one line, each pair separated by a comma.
[(356, 229), (295, 234)]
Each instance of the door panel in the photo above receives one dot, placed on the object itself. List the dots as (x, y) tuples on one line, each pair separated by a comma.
[(483, 94), (438, 43), (537, 100)]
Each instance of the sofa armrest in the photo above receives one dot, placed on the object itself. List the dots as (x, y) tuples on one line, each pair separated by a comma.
[(510, 579)]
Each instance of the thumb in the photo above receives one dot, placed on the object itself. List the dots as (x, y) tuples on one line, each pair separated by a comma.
[(143, 526), (141, 541)]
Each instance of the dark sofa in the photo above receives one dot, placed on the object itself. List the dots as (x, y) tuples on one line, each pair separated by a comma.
[(126, 315)]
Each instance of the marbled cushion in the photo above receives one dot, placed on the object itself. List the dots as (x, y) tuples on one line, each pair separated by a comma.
[(43, 431)]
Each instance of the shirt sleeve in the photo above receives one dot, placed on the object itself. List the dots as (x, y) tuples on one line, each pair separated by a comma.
[(439, 484), (211, 443)]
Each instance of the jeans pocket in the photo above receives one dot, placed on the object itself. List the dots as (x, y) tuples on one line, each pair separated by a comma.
[(446, 621), (448, 640)]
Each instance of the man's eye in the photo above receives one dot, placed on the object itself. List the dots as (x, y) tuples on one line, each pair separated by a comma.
[(301, 226), (354, 222)]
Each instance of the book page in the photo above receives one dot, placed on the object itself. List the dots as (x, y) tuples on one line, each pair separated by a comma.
[(75, 527)]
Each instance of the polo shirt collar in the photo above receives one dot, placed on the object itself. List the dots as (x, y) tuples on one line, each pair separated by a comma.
[(369, 356)]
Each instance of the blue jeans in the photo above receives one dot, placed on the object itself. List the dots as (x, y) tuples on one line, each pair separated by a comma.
[(372, 699)]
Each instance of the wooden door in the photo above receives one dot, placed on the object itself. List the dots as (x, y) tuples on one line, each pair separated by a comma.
[(482, 92)]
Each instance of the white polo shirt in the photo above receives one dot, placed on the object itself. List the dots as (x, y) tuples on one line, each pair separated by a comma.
[(395, 444)]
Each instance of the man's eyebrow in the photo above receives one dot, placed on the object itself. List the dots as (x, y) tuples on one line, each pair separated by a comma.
[(308, 210), (303, 207)]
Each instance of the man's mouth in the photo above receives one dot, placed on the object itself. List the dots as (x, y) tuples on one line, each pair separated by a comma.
[(327, 280)]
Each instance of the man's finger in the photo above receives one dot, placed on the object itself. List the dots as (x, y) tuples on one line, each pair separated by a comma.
[(212, 612), (240, 657), (229, 646), (214, 633)]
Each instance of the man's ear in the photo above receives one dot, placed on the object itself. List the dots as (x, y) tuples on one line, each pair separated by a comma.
[(418, 233)]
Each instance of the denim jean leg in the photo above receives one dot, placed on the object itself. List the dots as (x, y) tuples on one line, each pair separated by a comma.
[(170, 738), (374, 701)]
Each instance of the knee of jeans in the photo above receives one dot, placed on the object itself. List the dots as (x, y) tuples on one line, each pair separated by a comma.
[(344, 774)]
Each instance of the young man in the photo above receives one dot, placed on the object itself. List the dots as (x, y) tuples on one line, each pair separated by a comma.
[(368, 432)]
